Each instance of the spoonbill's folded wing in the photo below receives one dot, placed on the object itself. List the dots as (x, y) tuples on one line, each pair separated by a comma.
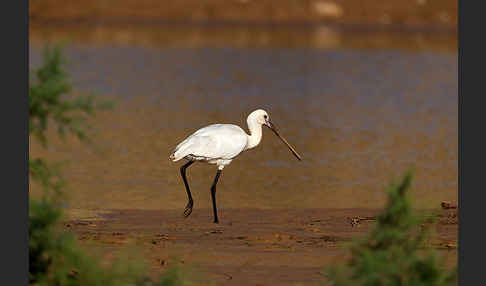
[(217, 141)]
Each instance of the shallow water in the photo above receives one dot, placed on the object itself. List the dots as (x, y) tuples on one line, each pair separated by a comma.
[(359, 112)]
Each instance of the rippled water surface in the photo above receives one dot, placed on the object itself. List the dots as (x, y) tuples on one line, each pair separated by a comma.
[(359, 112)]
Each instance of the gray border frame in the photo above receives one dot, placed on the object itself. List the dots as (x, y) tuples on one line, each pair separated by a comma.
[(15, 141), (471, 238)]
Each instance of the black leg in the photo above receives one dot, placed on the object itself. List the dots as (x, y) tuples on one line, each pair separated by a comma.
[(213, 195), (190, 203)]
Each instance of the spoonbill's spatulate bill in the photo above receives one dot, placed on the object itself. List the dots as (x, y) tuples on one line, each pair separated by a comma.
[(219, 144)]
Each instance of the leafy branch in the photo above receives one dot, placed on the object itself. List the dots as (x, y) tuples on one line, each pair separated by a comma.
[(48, 100), (393, 253)]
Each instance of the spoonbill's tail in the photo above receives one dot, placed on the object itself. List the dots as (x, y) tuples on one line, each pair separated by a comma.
[(174, 157), (180, 152)]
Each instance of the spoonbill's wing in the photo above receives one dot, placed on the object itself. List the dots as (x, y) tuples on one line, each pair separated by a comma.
[(217, 141)]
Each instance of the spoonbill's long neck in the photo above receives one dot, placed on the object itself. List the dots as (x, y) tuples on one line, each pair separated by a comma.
[(255, 134)]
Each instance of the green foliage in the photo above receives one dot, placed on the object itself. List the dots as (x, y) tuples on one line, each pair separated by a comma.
[(55, 259), (393, 253), (41, 238), (48, 177), (54, 256), (48, 100)]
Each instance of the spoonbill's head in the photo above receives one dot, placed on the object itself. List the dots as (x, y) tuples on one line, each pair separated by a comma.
[(261, 117)]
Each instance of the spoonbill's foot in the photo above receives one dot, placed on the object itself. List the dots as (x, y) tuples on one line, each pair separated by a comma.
[(188, 209)]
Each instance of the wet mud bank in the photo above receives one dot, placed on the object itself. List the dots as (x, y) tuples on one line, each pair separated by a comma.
[(249, 246)]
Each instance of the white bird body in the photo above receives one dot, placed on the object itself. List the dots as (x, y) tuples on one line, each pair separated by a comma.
[(219, 144), (215, 144)]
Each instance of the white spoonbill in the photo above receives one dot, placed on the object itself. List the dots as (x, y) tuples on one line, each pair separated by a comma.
[(219, 144)]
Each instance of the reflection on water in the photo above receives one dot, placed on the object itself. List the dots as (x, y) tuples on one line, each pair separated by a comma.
[(359, 116)]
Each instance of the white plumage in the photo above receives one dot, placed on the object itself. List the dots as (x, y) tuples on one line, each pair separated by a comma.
[(219, 144), (215, 144)]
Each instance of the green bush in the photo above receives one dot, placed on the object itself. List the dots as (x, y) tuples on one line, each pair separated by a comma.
[(394, 252), (54, 257), (48, 99)]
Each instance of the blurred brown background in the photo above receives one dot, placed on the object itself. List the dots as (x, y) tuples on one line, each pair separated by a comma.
[(417, 14)]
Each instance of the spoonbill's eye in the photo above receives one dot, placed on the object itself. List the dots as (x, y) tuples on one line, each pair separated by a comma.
[(265, 116)]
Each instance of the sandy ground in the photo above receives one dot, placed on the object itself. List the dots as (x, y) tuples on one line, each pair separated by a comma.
[(248, 247)]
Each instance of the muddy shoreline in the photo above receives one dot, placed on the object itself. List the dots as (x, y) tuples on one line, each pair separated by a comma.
[(418, 14), (248, 247)]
